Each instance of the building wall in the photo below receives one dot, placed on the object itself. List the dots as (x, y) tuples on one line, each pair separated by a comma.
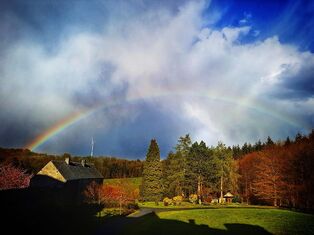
[(52, 171)]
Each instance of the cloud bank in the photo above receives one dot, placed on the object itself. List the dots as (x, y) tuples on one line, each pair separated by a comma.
[(172, 72)]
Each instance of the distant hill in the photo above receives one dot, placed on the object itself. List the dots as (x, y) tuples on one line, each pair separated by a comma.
[(110, 167)]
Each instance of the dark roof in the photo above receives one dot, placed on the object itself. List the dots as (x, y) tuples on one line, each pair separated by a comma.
[(75, 170)]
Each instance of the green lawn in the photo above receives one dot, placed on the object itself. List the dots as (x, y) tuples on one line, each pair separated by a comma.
[(188, 205), (136, 181), (183, 205), (223, 221)]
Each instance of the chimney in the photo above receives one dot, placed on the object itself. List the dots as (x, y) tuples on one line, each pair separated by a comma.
[(83, 162), (67, 160)]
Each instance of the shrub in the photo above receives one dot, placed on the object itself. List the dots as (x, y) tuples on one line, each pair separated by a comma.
[(236, 199), (167, 201), (208, 199), (177, 200), (193, 198), (13, 177)]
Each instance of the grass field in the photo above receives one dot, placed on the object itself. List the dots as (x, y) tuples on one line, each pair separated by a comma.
[(188, 205), (224, 221), (136, 181)]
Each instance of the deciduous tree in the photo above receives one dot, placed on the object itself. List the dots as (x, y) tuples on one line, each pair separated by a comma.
[(13, 177)]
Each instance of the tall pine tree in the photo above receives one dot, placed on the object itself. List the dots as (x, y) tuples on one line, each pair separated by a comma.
[(151, 189)]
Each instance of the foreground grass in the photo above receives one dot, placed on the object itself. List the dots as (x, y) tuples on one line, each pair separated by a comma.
[(224, 221)]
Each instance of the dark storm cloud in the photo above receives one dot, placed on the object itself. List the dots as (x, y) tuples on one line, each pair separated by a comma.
[(296, 82), (63, 57)]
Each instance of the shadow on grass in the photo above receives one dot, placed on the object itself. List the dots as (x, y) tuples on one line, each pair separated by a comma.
[(152, 224), (53, 212), (27, 211)]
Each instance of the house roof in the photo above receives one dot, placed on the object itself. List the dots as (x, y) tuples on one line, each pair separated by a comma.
[(228, 194), (75, 170)]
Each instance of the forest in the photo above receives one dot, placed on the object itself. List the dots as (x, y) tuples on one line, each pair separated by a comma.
[(277, 174), (266, 173)]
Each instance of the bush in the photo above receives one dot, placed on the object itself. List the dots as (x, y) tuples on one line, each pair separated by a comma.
[(177, 200), (115, 212), (236, 199), (167, 201), (193, 198), (208, 199)]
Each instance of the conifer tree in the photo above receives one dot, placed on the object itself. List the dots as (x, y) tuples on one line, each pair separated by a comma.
[(151, 188)]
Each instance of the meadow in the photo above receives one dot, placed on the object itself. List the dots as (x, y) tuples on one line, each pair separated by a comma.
[(136, 181), (242, 220)]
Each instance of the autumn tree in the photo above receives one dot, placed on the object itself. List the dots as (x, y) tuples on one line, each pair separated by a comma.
[(151, 188), (268, 183), (13, 177), (247, 171), (93, 193)]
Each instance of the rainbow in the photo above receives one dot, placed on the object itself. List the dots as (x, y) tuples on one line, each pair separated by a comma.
[(55, 129), (75, 117)]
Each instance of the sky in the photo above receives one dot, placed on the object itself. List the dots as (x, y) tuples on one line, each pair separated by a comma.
[(124, 72)]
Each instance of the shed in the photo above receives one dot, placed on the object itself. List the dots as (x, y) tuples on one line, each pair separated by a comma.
[(228, 197)]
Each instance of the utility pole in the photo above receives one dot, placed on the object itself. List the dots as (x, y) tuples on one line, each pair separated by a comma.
[(92, 150)]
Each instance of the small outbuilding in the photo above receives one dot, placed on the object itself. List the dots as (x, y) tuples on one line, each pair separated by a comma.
[(228, 197)]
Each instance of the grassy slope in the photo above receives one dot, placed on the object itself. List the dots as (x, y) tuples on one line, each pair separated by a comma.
[(225, 221), (135, 181)]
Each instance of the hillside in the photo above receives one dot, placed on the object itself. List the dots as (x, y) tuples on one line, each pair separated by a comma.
[(110, 167)]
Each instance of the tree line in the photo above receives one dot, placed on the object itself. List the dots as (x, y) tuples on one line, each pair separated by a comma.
[(278, 174), (193, 168), (109, 167)]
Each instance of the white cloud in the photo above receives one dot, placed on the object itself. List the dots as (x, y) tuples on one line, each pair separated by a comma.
[(162, 53)]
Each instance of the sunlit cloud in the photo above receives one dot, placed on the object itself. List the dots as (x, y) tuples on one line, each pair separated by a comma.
[(171, 63)]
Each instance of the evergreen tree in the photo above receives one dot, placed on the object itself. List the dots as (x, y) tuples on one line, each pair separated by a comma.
[(151, 189), (245, 148), (269, 142), (298, 137), (201, 169), (174, 168), (174, 174), (311, 135), (258, 146), (288, 141), (184, 145)]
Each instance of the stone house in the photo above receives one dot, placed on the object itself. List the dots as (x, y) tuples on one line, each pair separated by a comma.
[(68, 177)]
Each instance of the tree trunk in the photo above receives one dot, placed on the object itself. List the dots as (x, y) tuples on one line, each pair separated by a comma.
[(246, 191), (221, 189), (120, 208)]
